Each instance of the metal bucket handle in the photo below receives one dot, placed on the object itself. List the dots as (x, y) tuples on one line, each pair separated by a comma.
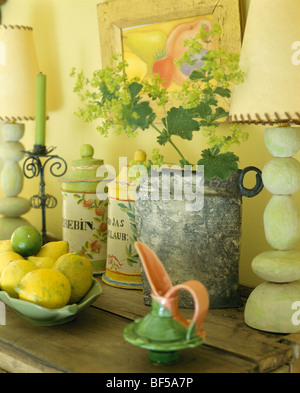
[(250, 193)]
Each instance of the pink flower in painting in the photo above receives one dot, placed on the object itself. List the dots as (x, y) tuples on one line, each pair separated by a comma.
[(206, 35)]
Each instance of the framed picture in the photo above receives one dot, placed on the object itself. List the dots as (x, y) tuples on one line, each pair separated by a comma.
[(114, 16), (144, 31)]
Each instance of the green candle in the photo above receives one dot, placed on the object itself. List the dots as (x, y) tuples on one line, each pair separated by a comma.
[(40, 110)]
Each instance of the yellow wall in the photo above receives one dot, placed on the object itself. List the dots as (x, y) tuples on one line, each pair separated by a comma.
[(66, 35)]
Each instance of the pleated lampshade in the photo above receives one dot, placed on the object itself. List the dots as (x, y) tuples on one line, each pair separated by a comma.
[(18, 70), (270, 58)]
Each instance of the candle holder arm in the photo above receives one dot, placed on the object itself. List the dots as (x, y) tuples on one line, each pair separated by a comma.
[(34, 167)]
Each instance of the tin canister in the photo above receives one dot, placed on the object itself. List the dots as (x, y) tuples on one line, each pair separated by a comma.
[(84, 224), (123, 268)]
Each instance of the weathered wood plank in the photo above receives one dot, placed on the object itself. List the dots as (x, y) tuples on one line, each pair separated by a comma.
[(287, 369), (294, 341), (94, 343), (265, 349), (15, 361)]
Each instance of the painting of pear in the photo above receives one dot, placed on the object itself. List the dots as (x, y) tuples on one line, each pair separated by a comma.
[(146, 44)]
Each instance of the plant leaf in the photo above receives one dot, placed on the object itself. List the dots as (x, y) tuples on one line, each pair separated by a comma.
[(196, 75), (219, 113), (179, 121), (223, 92), (107, 95), (203, 110), (220, 164), (163, 138), (134, 89), (144, 114)]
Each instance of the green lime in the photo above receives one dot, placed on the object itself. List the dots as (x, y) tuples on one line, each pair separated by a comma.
[(26, 241)]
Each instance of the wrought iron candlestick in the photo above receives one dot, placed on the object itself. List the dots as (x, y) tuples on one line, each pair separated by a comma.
[(33, 167)]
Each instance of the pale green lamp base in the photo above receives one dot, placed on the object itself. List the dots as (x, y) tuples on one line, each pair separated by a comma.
[(272, 307), (9, 224), (12, 207)]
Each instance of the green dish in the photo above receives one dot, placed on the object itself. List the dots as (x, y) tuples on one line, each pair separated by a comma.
[(45, 317)]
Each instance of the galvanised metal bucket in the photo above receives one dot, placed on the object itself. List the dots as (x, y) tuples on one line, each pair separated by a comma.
[(201, 245)]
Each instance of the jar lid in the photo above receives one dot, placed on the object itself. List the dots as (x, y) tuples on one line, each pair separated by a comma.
[(83, 173), (123, 187)]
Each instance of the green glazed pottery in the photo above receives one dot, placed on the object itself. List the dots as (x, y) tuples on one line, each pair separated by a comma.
[(164, 331), (162, 335), (45, 317)]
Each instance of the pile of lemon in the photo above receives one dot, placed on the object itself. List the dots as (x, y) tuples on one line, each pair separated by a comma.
[(47, 275)]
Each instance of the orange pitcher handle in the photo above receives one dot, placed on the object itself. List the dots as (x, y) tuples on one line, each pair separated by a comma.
[(201, 304)]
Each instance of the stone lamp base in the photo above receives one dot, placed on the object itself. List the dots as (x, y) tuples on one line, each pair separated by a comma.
[(12, 207), (272, 306), (9, 224)]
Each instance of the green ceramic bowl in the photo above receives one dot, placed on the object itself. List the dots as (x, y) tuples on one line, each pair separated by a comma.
[(45, 317)]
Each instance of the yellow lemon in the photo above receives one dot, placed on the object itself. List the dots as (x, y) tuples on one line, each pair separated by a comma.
[(13, 273), (6, 257), (5, 245), (54, 249), (42, 262), (48, 288), (79, 272), (140, 156)]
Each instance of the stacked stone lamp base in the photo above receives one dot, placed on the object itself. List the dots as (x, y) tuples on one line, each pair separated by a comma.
[(272, 306), (12, 207)]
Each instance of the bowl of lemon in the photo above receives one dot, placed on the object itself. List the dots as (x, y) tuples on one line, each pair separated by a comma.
[(45, 284)]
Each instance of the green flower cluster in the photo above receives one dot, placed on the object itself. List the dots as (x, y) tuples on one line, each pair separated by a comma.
[(126, 105)]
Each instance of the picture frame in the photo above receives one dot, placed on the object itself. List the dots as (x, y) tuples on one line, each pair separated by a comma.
[(116, 15)]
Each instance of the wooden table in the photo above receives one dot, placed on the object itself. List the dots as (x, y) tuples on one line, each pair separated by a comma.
[(94, 343)]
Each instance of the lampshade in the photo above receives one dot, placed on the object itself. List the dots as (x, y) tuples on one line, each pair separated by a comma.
[(270, 58), (18, 70)]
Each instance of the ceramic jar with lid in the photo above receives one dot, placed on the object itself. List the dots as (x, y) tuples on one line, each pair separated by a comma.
[(123, 269), (84, 215)]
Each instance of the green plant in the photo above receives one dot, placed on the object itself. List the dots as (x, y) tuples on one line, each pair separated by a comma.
[(124, 105)]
